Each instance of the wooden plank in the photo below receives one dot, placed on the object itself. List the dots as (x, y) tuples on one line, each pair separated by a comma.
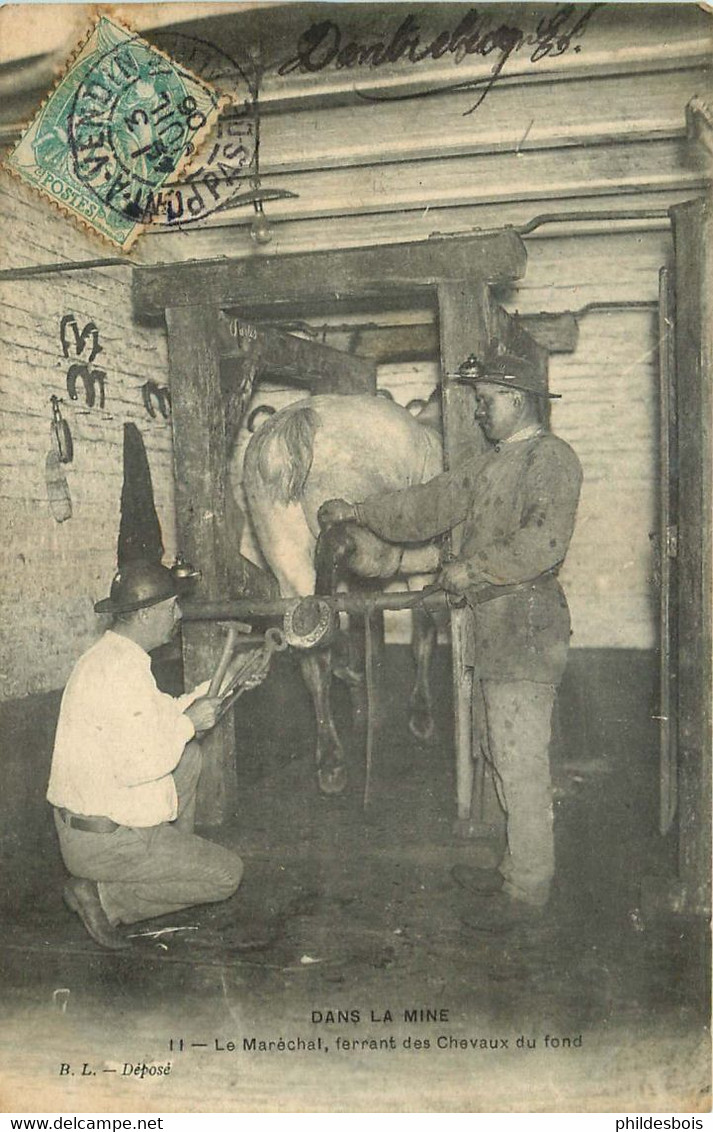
[(465, 328), (693, 237), (681, 46), (611, 41), (667, 537), (497, 257), (298, 236), (282, 356), (320, 91), (589, 111), (557, 332), (389, 345), (699, 122), (200, 478), (608, 43), (471, 179)]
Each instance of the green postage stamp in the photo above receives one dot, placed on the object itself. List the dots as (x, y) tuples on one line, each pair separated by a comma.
[(123, 123)]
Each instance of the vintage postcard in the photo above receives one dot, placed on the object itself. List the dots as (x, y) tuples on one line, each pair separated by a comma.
[(355, 634)]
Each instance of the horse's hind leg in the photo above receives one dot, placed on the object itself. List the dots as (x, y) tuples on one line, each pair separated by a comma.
[(317, 674), (288, 547), (423, 640)]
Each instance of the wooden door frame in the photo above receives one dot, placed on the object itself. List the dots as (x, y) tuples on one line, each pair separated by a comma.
[(693, 273), (687, 750), (205, 424), (455, 273)]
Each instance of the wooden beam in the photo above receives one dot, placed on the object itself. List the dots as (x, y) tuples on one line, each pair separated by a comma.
[(283, 356), (494, 257), (693, 243), (699, 122), (389, 345), (330, 87), (464, 321), (293, 237), (581, 112), (558, 333), (535, 174), (201, 488)]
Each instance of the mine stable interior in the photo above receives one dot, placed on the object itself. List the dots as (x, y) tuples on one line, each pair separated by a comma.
[(566, 217)]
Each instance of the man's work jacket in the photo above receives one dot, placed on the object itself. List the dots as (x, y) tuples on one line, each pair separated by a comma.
[(516, 504)]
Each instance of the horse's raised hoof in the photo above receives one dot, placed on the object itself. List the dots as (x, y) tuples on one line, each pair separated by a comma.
[(332, 781), (421, 725)]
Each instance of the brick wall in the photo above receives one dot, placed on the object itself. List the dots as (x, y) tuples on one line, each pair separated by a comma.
[(52, 571), (609, 414)]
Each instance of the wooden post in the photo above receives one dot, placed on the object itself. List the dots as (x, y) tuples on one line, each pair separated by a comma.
[(464, 321), (693, 243), (686, 540), (201, 482)]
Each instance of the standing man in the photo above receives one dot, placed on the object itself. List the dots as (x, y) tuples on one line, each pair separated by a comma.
[(516, 503), (125, 769)]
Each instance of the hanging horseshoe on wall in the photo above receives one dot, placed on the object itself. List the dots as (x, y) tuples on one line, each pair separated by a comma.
[(60, 433), (151, 392), (90, 378)]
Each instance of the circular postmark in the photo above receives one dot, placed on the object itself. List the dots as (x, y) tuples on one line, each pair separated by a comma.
[(137, 132)]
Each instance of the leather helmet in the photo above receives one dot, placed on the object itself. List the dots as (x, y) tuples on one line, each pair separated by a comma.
[(506, 370), (137, 585)]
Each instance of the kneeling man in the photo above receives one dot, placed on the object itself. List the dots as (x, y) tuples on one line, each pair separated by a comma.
[(125, 768)]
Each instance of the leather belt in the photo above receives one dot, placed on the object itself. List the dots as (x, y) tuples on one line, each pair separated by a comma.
[(89, 825)]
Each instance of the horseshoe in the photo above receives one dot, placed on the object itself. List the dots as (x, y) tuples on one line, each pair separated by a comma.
[(150, 391), (90, 378)]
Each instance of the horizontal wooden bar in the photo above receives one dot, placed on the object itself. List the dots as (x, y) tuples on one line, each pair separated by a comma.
[(581, 112), (296, 236), (493, 257), (331, 87), (281, 355), (466, 179), (388, 345)]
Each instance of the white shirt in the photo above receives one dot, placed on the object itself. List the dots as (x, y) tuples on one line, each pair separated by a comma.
[(118, 738)]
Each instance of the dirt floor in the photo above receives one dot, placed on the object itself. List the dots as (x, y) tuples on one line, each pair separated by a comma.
[(597, 1008)]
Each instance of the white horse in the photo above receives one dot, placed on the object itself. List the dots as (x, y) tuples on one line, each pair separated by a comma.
[(349, 447)]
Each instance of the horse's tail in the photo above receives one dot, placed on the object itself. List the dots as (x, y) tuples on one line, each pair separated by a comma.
[(280, 453)]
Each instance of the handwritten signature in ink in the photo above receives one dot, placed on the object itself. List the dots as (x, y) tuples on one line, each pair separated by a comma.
[(325, 44)]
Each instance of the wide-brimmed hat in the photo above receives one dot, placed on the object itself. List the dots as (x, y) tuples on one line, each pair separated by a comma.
[(138, 585), (507, 370)]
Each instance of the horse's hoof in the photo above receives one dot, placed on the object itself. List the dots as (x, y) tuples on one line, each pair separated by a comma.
[(332, 781), (421, 726)]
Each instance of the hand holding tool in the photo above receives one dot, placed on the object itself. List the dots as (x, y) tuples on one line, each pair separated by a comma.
[(245, 668)]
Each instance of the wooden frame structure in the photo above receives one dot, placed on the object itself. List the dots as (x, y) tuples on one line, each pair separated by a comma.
[(452, 274)]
